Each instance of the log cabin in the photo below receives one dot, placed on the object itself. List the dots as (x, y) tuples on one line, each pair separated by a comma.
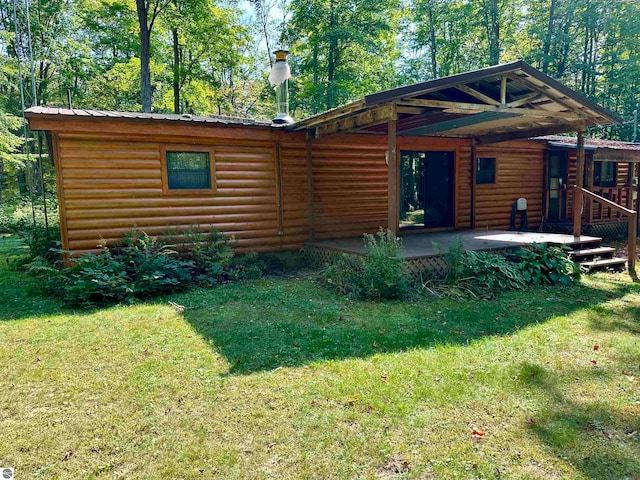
[(449, 154)]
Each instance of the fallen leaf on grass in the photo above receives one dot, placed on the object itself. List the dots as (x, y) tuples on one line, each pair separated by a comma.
[(477, 434), (314, 403), (596, 347), (384, 378), (594, 363)]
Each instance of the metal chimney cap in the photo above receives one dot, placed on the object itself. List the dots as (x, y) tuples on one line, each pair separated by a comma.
[(281, 55), (283, 120)]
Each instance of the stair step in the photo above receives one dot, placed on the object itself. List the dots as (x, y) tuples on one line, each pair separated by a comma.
[(604, 263), (593, 252)]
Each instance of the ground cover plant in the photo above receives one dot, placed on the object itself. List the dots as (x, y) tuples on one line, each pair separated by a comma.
[(282, 378), (138, 267)]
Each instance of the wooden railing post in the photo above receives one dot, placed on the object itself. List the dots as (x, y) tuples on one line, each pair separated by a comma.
[(577, 211), (633, 232), (577, 192)]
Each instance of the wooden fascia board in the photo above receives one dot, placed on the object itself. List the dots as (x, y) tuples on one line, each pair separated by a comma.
[(368, 118), (107, 125), (328, 116)]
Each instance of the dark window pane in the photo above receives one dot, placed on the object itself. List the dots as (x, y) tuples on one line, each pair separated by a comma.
[(604, 174), (486, 171), (188, 170)]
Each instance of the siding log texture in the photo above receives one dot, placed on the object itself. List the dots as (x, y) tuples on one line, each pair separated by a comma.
[(110, 181)]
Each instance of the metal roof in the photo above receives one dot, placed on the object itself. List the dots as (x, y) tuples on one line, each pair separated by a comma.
[(105, 114), (562, 141)]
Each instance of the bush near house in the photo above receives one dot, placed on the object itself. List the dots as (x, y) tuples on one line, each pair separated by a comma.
[(140, 267), (382, 273), (378, 275)]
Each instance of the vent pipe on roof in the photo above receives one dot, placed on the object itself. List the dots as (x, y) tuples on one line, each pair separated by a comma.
[(279, 78)]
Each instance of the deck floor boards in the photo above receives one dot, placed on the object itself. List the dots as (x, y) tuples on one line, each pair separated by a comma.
[(431, 244)]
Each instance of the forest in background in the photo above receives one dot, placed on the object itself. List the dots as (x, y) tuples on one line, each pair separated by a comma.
[(213, 56)]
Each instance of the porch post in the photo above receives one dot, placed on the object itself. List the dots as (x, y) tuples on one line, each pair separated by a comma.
[(474, 172), (589, 206), (577, 194), (392, 168)]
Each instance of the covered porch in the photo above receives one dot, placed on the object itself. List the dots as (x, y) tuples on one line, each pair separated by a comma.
[(439, 187)]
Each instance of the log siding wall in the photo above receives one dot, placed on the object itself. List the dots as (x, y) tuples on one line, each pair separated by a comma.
[(110, 181)]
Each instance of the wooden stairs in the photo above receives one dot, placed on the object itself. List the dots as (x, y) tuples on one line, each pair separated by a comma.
[(591, 255)]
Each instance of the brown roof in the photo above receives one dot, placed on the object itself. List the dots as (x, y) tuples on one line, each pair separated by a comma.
[(571, 142), (84, 113)]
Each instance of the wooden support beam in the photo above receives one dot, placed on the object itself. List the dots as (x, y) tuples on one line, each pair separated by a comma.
[(357, 121), (310, 206), (474, 174), (478, 107), (524, 100), (476, 94), (392, 168), (503, 90), (577, 193), (544, 90), (526, 133)]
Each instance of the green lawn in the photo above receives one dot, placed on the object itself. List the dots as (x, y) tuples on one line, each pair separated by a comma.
[(279, 378)]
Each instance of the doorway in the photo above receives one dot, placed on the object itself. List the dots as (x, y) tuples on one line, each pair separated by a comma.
[(427, 190), (557, 185)]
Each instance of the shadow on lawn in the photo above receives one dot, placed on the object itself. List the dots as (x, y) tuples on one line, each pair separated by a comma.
[(598, 441), (275, 323)]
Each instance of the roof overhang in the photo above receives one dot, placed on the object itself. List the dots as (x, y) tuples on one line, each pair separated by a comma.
[(504, 102)]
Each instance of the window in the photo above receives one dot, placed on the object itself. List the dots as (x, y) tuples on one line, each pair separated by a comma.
[(486, 171), (187, 168), (604, 174)]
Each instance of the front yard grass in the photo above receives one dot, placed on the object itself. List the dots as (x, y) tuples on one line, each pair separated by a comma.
[(280, 378)]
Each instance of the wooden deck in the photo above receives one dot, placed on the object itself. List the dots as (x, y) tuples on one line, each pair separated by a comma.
[(424, 245)]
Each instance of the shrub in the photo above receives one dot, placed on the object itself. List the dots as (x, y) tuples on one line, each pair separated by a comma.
[(380, 274), (151, 267), (487, 272), (546, 265), (143, 266), (484, 274), (93, 279)]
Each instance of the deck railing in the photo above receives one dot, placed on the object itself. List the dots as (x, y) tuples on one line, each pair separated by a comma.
[(632, 215)]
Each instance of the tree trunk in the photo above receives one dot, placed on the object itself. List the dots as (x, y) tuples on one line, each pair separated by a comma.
[(492, 19), (145, 54), (548, 38), (176, 72), (432, 40), (331, 61)]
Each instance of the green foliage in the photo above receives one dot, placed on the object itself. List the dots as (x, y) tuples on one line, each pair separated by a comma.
[(546, 265), (142, 266), (93, 279), (380, 274), (484, 274), (19, 217)]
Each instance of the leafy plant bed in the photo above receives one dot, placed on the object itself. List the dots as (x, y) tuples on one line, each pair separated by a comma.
[(384, 273), (141, 267)]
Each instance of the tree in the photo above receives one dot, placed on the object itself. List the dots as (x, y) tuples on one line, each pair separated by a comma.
[(148, 12)]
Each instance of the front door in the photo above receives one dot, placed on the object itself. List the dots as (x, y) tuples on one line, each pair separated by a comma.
[(427, 190), (557, 185)]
